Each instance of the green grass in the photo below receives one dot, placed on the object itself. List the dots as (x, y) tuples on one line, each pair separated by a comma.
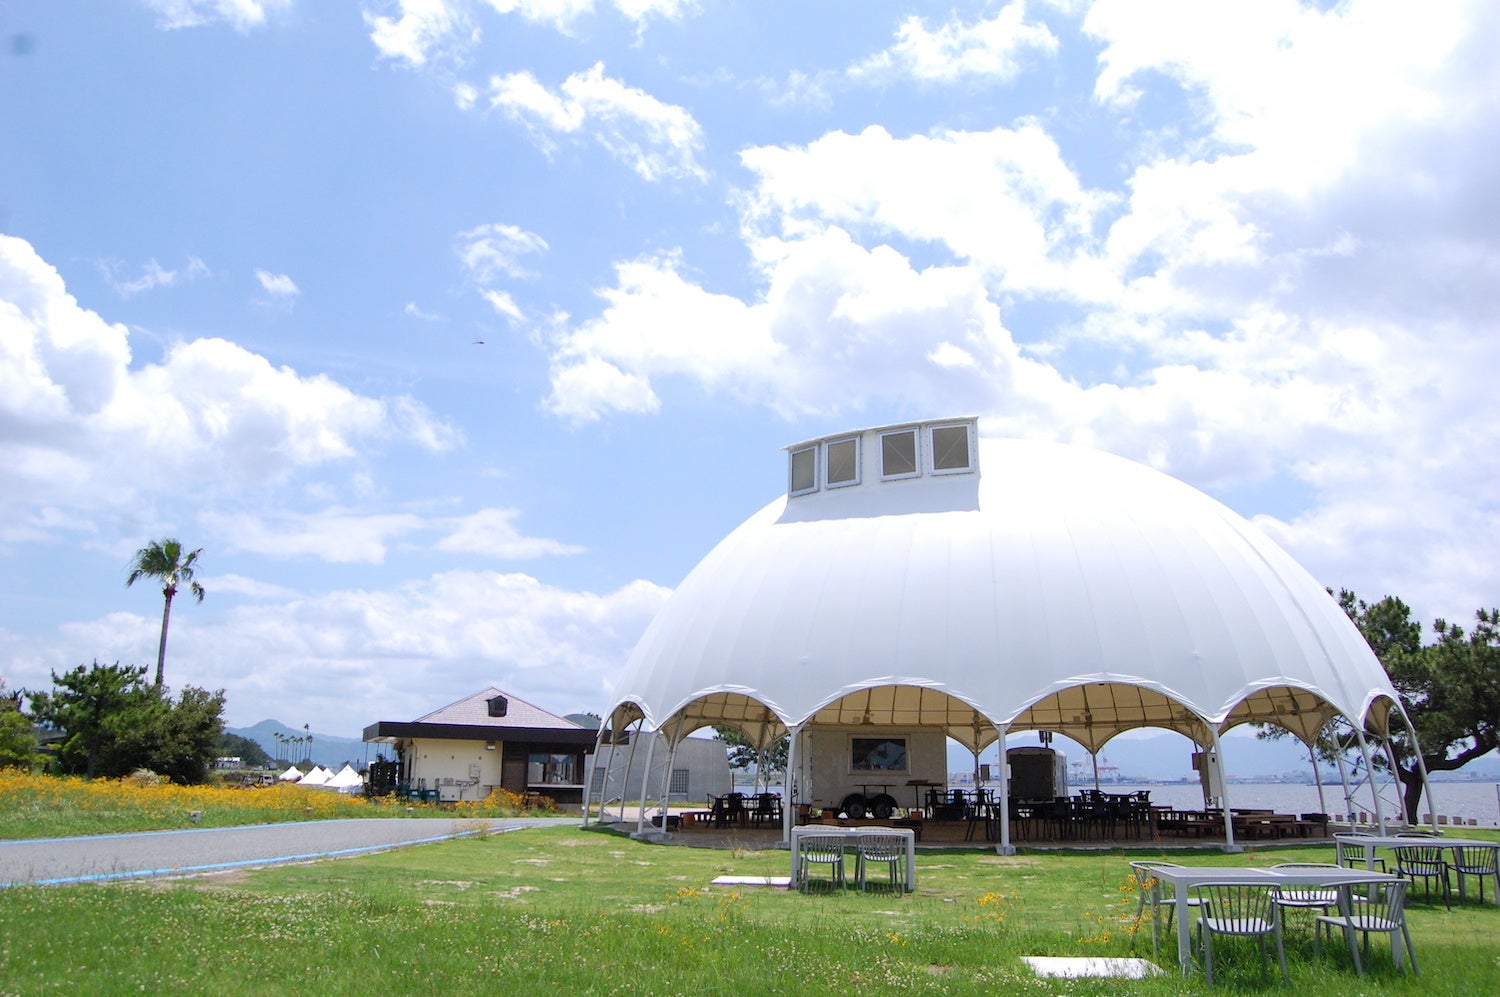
[(591, 912)]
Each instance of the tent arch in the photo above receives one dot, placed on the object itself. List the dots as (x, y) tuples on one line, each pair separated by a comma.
[(1094, 710)]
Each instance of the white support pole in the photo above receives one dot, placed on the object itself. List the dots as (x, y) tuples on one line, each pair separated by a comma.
[(666, 784), (1338, 756), (588, 784), (1364, 750), (1218, 762), (1094, 757), (1317, 778), (640, 817), (1005, 847), (1390, 759), (635, 739), (789, 807), (1416, 749)]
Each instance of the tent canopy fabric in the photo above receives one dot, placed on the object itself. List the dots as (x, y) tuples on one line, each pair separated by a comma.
[(1048, 587), (346, 779), (292, 774)]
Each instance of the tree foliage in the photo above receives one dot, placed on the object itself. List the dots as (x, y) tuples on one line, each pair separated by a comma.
[(17, 740), (114, 722), (167, 562), (249, 752), (742, 754), (1451, 688)]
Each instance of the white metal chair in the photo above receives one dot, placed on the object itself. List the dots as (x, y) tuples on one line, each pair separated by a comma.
[(1358, 854), (1366, 908), (1150, 892), (1241, 911), (1306, 897), (1482, 861), (881, 849), (1424, 862), (820, 849)]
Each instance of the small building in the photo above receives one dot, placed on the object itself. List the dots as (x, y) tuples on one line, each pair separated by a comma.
[(486, 741)]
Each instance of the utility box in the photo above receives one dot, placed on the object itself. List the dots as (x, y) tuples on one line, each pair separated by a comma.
[(1206, 764), (1037, 773)]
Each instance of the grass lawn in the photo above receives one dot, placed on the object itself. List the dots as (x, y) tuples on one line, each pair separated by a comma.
[(568, 910)]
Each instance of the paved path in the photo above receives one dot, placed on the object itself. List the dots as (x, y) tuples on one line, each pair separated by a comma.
[(165, 853)]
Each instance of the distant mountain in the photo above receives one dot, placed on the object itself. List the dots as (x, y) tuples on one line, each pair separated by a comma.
[(326, 749)]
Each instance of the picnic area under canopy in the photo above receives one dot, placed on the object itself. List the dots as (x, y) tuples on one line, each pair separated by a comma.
[(918, 576)]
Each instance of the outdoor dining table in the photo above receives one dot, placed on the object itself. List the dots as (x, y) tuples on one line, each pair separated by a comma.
[(1374, 841), (1184, 878), (851, 836)]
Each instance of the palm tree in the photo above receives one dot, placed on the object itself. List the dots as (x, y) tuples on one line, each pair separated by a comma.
[(165, 560)]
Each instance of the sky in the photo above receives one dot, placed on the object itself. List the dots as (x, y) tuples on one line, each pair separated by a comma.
[(455, 332)]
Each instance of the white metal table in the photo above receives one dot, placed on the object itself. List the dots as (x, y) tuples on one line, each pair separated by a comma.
[(1184, 878), (1374, 841), (851, 836)]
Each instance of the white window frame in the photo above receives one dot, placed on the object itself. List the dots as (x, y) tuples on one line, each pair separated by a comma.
[(791, 463), (968, 428), (916, 471), (828, 446)]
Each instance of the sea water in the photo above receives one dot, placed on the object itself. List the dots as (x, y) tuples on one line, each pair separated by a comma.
[(1455, 800)]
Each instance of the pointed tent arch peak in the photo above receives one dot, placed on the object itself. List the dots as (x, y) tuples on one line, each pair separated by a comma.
[(908, 703), (1093, 712)]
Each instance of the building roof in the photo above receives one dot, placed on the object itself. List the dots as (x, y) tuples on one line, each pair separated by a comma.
[(1036, 586), (469, 719), (474, 710)]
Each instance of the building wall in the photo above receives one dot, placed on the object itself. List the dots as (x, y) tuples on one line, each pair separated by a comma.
[(471, 770), (830, 776), (705, 760), (459, 770)]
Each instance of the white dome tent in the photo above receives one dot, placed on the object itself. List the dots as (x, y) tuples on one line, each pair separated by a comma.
[(917, 577)]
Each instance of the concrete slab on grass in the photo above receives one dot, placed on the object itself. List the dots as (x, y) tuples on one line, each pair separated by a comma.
[(753, 881), (1132, 969)]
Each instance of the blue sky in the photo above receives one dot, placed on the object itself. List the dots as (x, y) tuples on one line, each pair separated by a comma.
[(457, 331)]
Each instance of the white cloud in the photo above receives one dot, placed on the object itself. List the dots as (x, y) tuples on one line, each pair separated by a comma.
[(356, 656), (82, 426), (495, 250), (838, 327), (562, 14), (343, 536), (492, 533), (655, 139), (152, 276), (413, 311), (993, 48), (423, 29), (250, 588), (278, 286), (242, 15), (332, 535), (503, 304)]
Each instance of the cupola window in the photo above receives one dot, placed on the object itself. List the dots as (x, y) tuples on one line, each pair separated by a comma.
[(804, 471), (843, 462), (898, 454)]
